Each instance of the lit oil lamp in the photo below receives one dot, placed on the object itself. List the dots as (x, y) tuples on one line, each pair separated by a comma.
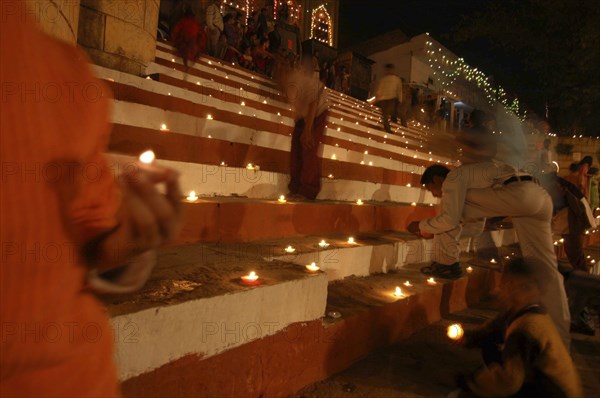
[(282, 199), (147, 157), (251, 279), (323, 244), (351, 241), (455, 332), (407, 284), (398, 293), (413, 204), (250, 166), (209, 117), (493, 261), (312, 267), (431, 281), (359, 202), (333, 157), (290, 249), (192, 196), (469, 269), (163, 127), (330, 176)]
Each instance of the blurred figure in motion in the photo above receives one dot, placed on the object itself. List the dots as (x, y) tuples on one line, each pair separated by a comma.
[(305, 92), (68, 226), (523, 352), (388, 96), (485, 187), (189, 38)]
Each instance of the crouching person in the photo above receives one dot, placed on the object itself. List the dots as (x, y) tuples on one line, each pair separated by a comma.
[(523, 351)]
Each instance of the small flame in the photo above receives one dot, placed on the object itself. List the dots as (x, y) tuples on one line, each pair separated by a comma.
[(192, 196), (147, 157), (455, 332)]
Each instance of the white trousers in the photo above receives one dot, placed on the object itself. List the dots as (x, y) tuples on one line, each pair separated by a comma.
[(531, 210), (445, 246)]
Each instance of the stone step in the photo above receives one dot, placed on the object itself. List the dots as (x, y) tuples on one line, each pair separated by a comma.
[(243, 220), (194, 304), (225, 169), (210, 66), (357, 116), (281, 363), (186, 110)]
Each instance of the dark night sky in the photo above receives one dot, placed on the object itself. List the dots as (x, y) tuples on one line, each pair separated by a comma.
[(361, 19)]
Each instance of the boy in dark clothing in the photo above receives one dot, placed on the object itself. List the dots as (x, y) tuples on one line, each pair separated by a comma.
[(523, 351)]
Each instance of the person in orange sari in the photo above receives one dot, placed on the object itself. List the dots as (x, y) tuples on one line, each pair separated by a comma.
[(68, 224)]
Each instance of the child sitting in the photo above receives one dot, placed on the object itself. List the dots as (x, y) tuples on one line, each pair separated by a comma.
[(523, 351)]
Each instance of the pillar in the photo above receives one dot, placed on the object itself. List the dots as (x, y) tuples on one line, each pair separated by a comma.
[(119, 34)]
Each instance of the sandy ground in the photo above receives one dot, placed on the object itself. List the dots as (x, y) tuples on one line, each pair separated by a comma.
[(425, 365)]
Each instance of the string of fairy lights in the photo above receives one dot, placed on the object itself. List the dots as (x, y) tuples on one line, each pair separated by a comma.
[(447, 71), (321, 27)]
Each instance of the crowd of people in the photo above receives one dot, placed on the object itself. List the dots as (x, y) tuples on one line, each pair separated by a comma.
[(255, 44)]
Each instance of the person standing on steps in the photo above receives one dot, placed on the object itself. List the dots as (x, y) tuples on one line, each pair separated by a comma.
[(189, 38), (487, 188), (305, 92), (388, 96), (214, 25)]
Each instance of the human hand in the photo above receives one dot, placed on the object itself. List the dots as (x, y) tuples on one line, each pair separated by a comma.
[(151, 218)]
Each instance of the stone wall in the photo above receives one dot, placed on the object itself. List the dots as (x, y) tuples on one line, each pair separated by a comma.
[(119, 34), (58, 18)]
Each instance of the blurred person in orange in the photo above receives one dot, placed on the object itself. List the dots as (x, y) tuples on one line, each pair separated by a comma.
[(68, 226)]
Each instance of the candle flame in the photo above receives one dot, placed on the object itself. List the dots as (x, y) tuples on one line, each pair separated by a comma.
[(469, 269), (351, 240), (431, 281), (192, 196), (323, 244), (290, 249), (282, 199), (312, 267), (359, 202), (407, 284), (147, 157), (398, 292), (455, 331), (163, 127)]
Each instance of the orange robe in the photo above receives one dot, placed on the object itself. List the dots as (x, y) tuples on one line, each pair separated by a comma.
[(57, 190)]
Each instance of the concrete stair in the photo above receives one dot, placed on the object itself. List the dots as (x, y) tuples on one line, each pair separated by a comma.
[(194, 329)]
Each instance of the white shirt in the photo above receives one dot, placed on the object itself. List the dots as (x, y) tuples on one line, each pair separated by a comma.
[(390, 87), (454, 192), (214, 19), (303, 88)]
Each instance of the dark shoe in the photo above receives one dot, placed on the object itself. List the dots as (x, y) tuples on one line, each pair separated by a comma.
[(443, 271)]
